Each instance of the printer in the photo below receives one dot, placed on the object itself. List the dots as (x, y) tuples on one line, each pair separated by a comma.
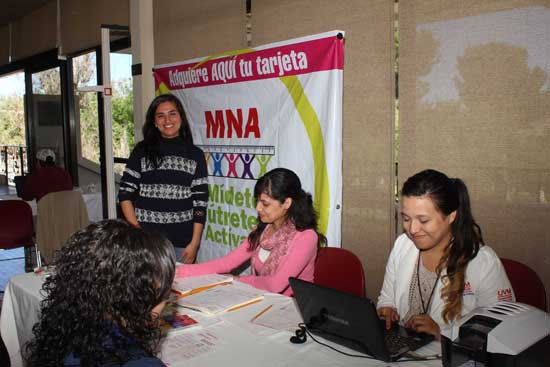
[(505, 334)]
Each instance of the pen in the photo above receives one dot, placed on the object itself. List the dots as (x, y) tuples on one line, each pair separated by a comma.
[(261, 313)]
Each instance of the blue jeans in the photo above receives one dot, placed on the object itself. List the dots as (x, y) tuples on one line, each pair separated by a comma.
[(178, 251)]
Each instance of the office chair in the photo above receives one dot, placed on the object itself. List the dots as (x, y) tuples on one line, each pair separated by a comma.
[(528, 287), (60, 214), (339, 269), (16, 227)]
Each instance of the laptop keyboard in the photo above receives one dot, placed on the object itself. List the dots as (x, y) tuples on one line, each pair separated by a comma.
[(398, 342)]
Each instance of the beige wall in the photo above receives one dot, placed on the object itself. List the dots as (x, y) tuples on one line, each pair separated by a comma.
[(35, 32), (475, 103), (367, 112), (74, 27), (81, 20), (4, 45), (189, 29)]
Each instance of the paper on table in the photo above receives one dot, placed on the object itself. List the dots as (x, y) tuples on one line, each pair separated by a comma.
[(177, 348), (221, 299), (281, 316), (199, 283)]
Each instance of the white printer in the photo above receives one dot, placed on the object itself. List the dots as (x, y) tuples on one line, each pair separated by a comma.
[(504, 334)]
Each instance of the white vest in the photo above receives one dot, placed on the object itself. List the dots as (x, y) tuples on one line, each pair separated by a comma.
[(485, 281)]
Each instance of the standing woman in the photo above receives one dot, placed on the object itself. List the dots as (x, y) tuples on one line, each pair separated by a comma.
[(440, 268), (283, 244), (165, 184)]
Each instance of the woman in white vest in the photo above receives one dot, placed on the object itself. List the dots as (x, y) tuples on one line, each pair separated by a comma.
[(440, 268)]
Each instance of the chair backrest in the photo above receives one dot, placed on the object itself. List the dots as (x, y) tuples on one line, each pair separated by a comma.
[(60, 214), (16, 227), (527, 285), (340, 269)]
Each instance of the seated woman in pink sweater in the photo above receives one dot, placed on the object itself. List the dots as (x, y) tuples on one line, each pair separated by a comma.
[(283, 244)]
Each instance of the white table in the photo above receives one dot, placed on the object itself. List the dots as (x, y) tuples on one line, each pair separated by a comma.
[(20, 309), (237, 343), (92, 201)]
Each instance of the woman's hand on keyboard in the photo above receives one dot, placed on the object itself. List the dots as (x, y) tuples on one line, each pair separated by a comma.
[(389, 314), (424, 324)]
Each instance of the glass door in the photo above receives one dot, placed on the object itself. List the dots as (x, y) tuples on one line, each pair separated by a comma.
[(46, 113)]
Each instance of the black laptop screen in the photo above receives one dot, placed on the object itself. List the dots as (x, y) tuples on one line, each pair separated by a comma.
[(340, 317)]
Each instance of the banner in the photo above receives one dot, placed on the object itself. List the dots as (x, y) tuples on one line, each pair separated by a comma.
[(252, 110)]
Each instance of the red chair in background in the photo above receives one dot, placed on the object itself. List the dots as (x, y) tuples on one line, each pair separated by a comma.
[(339, 269), (527, 285), (16, 227)]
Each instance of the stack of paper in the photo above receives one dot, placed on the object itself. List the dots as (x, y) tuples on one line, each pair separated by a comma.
[(222, 298), (190, 285)]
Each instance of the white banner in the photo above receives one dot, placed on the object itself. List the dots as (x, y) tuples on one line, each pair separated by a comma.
[(278, 105)]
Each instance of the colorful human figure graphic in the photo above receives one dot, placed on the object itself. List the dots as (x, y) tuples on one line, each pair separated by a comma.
[(232, 164), (263, 160), (247, 160), (217, 159), (207, 158)]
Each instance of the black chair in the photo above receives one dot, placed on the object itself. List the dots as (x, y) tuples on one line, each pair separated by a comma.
[(4, 355), (19, 182)]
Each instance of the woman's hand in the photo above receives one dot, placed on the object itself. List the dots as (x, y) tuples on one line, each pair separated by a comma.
[(424, 324), (189, 254), (389, 314)]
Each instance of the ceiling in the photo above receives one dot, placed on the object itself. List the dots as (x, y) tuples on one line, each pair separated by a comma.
[(15, 9)]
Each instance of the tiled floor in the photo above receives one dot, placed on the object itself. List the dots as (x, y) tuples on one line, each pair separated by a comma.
[(12, 262), (7, 190)]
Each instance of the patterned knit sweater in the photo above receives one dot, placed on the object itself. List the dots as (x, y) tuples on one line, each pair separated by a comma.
[(172, 197)]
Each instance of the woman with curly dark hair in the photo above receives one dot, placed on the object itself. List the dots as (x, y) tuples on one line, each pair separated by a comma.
[(283, 244), (440, 268), (103, 299), (165, 183)]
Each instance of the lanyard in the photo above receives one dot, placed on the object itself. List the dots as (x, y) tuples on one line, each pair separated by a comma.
[(425, 308)]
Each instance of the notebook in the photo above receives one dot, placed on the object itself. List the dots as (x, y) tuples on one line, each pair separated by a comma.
[(222, 298), (353, 322)]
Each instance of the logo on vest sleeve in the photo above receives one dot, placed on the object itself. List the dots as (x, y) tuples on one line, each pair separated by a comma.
[(467, 289), (504, 294)]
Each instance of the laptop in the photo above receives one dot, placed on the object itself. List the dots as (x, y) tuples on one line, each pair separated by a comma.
[(353, 322)]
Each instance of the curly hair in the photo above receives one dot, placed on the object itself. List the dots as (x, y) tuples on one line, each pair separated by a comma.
[(280, 184), (449, 195), (151, 135), (99, 300)]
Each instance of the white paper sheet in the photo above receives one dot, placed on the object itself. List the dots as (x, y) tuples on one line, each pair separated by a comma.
[(176, 349)]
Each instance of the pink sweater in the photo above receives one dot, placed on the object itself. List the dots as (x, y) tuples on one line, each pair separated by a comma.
[(298, 262)]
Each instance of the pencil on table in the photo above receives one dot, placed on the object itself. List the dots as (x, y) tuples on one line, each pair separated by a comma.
[(261, 313)]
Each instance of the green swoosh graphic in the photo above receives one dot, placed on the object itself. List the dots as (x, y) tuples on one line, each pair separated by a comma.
[(315, 134)]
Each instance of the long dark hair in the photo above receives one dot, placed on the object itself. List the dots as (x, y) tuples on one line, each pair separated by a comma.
[(99, 300), (151, 135), (280, 184), (448, 195)]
